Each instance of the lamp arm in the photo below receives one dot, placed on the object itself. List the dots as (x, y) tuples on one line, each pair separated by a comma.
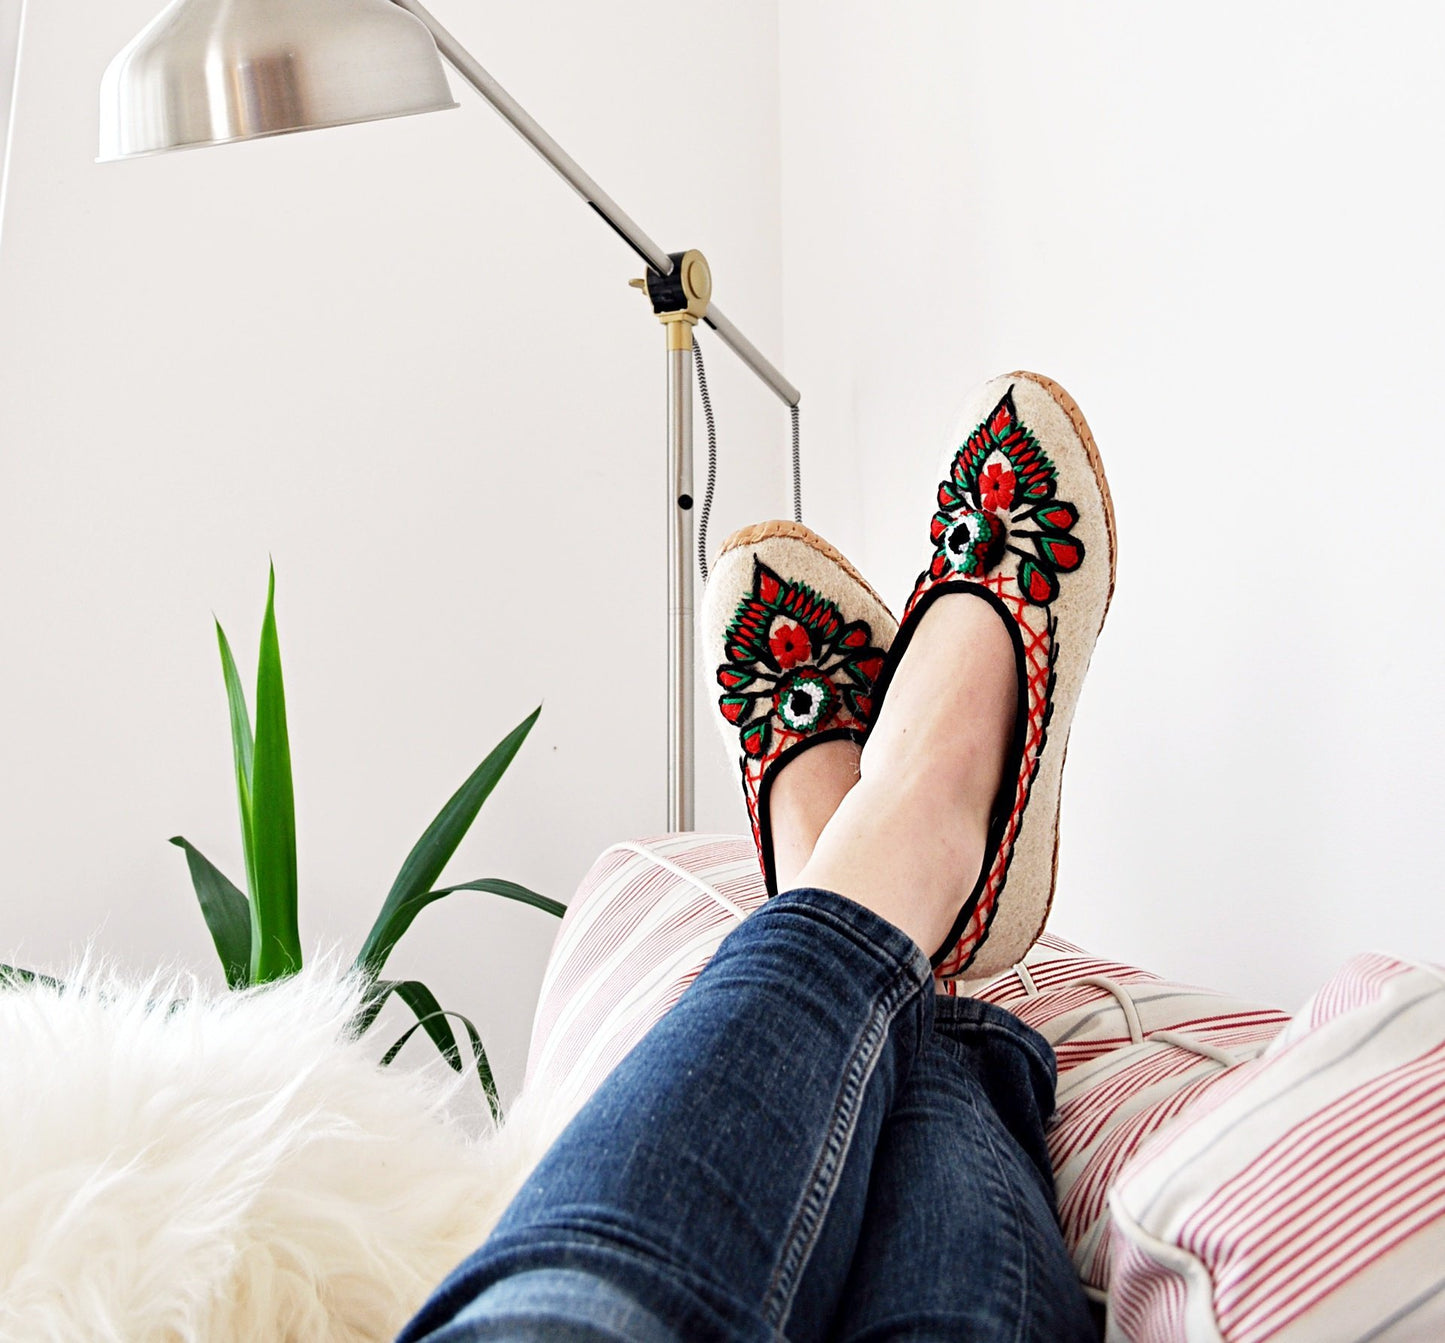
[(572, 173)]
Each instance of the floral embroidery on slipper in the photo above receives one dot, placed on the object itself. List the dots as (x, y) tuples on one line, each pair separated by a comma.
[(998, 496), (794, 666)]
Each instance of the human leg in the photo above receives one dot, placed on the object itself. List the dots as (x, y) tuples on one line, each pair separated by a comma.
[(909, 840), (718, 1183), (959, 1234), (692, 1187), (798, 671), (804, 798), (960, 1237), (711, 1173)]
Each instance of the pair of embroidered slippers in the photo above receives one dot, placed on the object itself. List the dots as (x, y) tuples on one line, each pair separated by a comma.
[(805, 649)]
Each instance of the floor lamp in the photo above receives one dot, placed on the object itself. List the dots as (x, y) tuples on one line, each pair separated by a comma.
[(207, 72)]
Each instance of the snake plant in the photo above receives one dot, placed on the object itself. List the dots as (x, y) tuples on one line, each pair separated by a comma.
[(256, 931)]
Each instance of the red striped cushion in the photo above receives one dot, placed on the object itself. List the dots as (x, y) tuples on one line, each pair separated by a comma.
[(646, 919), (1134, 1051), (1306, 1200)]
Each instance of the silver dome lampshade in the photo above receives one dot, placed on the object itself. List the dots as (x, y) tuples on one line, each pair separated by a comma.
[(207, 72)]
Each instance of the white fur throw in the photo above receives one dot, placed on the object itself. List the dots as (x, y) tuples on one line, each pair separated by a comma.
[(232, 1169)]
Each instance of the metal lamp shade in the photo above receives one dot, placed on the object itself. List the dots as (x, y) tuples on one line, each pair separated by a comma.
[(206, 72)]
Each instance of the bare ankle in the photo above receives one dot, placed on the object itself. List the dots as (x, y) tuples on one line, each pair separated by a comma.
[(802, 799), (950, 712), (902, 852), (909, 841)]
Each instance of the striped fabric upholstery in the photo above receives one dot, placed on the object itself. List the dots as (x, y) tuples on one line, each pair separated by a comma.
[(1133, 1050), (646, 919), (1305, 1198)]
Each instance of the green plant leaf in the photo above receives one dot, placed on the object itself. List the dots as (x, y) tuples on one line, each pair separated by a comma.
[(13, 977), (508, 889), (411, 891), (275, 934), (409, 909), (479, 1058), (377, 992), (425, 1008), (243, 752), (227, 913)]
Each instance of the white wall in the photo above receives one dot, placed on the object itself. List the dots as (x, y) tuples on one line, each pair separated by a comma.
[(403, 360), (1220, 227)]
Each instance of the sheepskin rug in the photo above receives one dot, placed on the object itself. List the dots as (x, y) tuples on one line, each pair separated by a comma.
[(232, 1168)]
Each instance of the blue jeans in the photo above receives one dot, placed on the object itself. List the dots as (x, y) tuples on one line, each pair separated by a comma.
[(810, 1145)]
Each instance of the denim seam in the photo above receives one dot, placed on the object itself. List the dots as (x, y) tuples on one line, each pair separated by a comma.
[(1010, 1191), (807, 1224)]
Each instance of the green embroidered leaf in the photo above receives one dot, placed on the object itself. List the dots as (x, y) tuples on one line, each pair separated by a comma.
[(736, 708), (1063, 552), (1037, 584), (733, 678), (1056, 515), (757, 737)]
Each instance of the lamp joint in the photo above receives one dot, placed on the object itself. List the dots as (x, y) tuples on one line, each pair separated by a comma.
[(680, 297)]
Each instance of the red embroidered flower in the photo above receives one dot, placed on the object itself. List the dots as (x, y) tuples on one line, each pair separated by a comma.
[(996, 487), (790, 646), (1000, 494), (793, 666)]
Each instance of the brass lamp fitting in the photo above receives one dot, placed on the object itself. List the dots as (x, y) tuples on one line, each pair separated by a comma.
[(679, 298)]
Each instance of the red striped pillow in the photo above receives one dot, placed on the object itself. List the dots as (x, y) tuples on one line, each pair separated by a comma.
[(644, 922), (1306, 1199), (1134, 1051)]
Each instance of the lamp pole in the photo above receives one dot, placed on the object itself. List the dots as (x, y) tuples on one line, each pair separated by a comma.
[(680, 287), (681, 657)]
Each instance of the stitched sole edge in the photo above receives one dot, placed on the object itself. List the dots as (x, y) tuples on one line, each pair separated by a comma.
[(1070, 407), (785, 529)]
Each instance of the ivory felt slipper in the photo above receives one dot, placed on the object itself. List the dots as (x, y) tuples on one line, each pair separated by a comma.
[(797, 639), (1022, 519)]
